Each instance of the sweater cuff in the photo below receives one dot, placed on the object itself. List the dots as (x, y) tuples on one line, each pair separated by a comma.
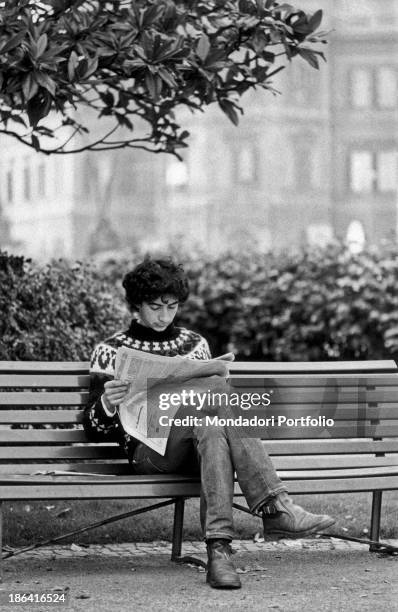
[(110, 412)]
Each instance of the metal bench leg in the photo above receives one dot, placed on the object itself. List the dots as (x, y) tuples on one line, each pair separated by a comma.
[(375, 521), (177, 528), (177, 537)]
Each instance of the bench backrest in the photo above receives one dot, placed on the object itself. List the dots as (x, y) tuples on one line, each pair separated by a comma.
[(41, 409)]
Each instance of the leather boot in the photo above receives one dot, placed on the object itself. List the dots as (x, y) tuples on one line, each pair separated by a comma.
[(221, 573), (284, 518)]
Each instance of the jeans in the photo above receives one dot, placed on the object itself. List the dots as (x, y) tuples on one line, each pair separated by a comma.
[(216, 452)]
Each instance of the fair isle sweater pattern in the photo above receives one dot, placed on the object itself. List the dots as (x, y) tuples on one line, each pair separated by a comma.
[(187, 343)]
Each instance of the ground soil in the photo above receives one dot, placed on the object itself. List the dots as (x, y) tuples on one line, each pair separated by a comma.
[(292, 580)]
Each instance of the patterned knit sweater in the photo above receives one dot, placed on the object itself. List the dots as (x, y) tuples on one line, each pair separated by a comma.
[(172, 341)]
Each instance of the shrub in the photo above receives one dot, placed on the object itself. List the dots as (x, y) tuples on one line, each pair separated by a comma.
[(317, 304), (56, 312)]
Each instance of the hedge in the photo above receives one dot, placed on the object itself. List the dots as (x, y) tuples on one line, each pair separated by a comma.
[(55, 312), (319, 304)]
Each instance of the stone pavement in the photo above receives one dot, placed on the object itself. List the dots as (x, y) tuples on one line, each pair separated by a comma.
[(196, 548), (315, 575)]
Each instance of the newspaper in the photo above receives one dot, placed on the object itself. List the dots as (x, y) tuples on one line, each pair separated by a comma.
[(145, 370)]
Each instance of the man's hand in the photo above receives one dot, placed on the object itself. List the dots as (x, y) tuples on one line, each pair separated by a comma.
[(115, 392)]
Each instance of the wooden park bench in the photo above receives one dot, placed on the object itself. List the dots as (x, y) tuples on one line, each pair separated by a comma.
[(50, 458)]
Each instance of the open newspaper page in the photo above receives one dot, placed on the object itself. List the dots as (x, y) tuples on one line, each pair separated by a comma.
[(145, 371)]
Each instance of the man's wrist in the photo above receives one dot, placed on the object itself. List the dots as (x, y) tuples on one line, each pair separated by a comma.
[(110, 411)]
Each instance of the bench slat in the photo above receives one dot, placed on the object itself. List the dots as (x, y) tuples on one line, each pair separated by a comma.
[(343, 485), (41, 436), (43, 380), (279, 396), (326, 447), (109, 467), (185, 489), (237, 366), (346, 412), (292, 367), (341, 395), (341, 429), (37, 398), (77, 367), (60, 452), (315, 380), (122, 467), (273, 447), (90, 479), (41, 416)]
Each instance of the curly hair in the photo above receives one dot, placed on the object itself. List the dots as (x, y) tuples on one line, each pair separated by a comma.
[(154, 278)]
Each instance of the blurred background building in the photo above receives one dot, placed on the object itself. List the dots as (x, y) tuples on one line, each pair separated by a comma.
[(317, 162)]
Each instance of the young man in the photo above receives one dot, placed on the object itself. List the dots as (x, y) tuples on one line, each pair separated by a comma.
[(154, 291)]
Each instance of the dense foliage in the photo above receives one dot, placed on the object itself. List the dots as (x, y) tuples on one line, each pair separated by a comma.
[(137, 61), (56, 312), (317, 304)]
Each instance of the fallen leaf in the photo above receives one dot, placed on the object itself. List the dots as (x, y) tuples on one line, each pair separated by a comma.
[(63, 512)]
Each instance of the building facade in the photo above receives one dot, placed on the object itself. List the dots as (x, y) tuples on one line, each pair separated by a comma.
[(318, 161)]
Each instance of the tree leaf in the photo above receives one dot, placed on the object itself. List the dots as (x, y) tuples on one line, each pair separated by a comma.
[(316, 20), (72, 65), (203, 47), (30, 86), (41, 45), (13, 42), (228, 108), (45, 81), (39, 107), (309, 57)]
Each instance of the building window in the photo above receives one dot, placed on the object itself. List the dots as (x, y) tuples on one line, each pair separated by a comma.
[(361, 172), (246, 164), (355, 237), (386, 87), (374, 87), (26, 183), (361, 88), (10, 186), (41, 180), (304, 178), (386, 170), (177, 175), (372, 171)]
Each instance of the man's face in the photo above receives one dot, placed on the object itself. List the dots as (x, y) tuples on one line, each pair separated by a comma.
[(159, 313)]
